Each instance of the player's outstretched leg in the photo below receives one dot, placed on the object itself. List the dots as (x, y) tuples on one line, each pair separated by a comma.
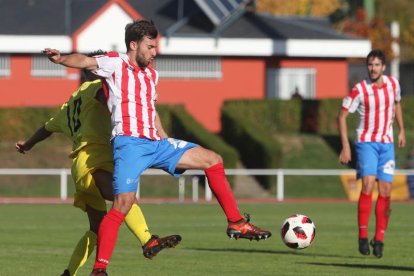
[(156, 244), (244, 229)]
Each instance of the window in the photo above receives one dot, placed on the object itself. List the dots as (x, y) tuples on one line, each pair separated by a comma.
[(188, 67), (43, 67), (5, 66), (282, 83)]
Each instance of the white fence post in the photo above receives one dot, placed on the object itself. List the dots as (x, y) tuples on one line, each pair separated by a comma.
[(63, 184), (181, 189), (208, 193), (138, 193), (195, 188), (280, 186)]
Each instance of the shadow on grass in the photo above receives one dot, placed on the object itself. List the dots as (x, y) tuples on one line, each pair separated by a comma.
[(382, 267), (281, 252)]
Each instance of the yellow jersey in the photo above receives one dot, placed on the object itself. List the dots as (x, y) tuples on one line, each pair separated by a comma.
[(83, 118)]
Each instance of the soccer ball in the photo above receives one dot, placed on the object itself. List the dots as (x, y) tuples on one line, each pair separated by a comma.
[(298, 231)]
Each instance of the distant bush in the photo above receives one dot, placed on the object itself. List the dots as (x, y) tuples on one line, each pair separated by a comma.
[(22, 122), (184, 126), (256, 147)]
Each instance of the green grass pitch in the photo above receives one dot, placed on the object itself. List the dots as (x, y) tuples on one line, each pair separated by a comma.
[(38, 240)]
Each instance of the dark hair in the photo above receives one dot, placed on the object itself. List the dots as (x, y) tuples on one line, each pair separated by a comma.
[(376, 53), (87, 75), (97, 53), (137, 30)]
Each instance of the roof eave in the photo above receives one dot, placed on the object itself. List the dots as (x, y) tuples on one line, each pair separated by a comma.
[(321, 48), (34, 43)]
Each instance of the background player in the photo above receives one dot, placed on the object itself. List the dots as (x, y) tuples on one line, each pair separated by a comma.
[(377, 100)]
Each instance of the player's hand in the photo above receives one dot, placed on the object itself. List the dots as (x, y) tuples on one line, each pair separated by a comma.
[(21, 147), (52, 54), (401, 140), (345, 156)]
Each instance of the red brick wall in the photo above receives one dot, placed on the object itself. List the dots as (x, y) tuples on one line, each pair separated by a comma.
[(203, 98), (21, 89), (242, 78)]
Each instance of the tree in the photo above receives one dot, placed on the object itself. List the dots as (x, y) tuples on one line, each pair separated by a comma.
[(354, 23), (298, 7), (400, 11), (408, 38), (377, 31)]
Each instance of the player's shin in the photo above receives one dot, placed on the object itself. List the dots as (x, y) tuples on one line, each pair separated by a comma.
[(382, 213), (82, 251), (107, 237), (364, 211), (220, 187), (136, 223)]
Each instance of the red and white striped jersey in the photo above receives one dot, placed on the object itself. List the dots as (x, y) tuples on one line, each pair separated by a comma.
[(376, 108), (131, 96)]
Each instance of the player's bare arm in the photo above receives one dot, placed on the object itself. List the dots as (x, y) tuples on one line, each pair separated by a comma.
[(345, 155), (400, 123), (39, 135), (73, 60), (159, 126)]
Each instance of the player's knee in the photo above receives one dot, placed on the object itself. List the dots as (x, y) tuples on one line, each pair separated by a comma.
[(214, 158), (123, 202), (385, 189), (95, 218)]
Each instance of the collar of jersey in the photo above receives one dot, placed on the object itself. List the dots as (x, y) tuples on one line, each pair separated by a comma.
[(135, 67)]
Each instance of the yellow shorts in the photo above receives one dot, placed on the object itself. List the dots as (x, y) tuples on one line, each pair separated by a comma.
[(89, 159)]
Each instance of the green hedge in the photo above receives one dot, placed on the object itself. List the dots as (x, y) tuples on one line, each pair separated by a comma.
[(184, 126), (19, 123), (251, 125), (270, 115), (256, 149), (327, 112), (307, 116)]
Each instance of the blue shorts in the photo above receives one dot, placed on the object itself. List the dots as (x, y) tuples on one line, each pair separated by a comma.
[(376, 159), (134, 155)]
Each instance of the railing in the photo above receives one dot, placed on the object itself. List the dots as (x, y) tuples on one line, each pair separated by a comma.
[(279, 173)]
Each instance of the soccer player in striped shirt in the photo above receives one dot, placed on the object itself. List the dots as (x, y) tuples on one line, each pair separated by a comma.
[(138, 141), (85, 120), (377, 100)]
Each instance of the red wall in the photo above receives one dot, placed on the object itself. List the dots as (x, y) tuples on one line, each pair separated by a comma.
[(242, 78), (331, 75), (21, 89)]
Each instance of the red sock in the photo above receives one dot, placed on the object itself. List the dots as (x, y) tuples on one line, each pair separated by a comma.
[(382, 213), (364, 211), (221, 189), (107, 236)]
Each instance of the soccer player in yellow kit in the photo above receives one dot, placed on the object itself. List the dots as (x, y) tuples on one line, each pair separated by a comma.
[(86, 121)]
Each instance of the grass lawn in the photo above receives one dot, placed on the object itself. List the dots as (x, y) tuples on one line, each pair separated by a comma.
[(38, 240)]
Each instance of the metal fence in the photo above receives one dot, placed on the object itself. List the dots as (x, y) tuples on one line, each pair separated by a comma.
[(279, 173)]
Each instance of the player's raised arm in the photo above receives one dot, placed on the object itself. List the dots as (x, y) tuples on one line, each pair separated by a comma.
[(73, 60), (40, 134)]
